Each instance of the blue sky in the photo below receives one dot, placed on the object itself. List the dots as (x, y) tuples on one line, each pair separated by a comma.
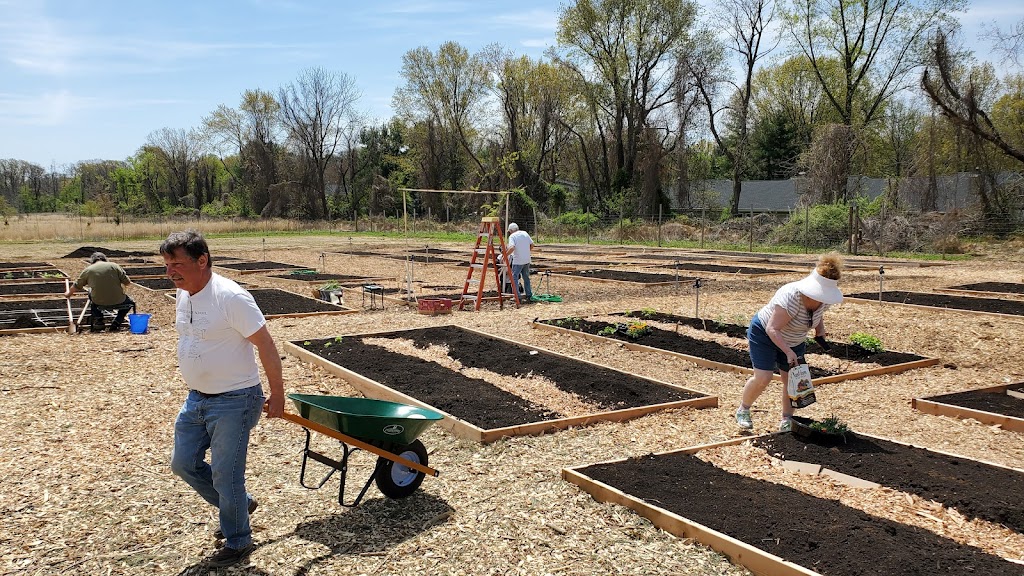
[(84, 80)]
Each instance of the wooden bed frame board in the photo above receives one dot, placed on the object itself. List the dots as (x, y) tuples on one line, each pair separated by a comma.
[(357, 291), (463, 429), (1011, 423), (1019, 318), (730, 275), (298, 280), (34, 280), (47, 266), (895, 368), (42, 330)]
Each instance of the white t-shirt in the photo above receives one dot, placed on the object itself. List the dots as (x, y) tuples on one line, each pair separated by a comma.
[(802, 320), (213, 324), (520, 242)]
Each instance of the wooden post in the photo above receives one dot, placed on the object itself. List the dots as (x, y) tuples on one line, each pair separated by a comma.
[(751, 249), (659, 225)]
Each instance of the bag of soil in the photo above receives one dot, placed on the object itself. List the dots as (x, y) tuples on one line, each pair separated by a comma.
[(800, 388)]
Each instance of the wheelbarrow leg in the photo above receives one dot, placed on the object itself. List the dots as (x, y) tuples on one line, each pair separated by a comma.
[(335, 466)]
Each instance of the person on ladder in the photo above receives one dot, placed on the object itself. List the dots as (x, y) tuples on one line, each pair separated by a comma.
[(521, 245)]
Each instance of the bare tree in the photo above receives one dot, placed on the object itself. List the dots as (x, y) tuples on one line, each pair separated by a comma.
[(962, 100), (1010, 42), (748, 20), (178, 150), (315, 111)]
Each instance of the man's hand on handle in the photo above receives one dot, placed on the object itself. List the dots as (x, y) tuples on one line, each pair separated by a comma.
[(274, 406)]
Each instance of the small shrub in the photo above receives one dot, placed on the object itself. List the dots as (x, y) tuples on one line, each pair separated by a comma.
[(867, 342)]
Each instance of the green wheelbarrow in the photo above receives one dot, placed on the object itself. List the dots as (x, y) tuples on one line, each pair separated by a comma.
[(387, 429)]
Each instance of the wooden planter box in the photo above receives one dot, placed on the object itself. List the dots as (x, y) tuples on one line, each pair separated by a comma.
[(938, 408), (463, 429), (895, 368)]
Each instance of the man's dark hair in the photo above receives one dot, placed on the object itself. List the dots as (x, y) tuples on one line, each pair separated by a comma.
[(191, 241), (96, 257)]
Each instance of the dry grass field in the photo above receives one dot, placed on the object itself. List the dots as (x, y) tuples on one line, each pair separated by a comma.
[(85, 486)]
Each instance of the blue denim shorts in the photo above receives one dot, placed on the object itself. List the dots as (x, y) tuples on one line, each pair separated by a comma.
[(764, 354)]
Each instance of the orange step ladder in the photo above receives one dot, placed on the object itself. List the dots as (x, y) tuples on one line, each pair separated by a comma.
[(490, 228)]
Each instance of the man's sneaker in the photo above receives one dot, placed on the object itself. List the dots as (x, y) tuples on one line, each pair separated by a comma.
[(743, 419), (218, 534), (786, 425), (228, 556)]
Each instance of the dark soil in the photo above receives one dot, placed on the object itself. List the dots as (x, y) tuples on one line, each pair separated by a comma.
[(155, 283), (432, 251), (86, 251), (274, 302), (32, 288), (975, 489), (146, 271), (476, 401), (840, 350), (358, 253), (44, 273), (607, 388), (1008, 287), (25, 265), (29, 313), (469, 399), (697, 267), (261, 266), (681, 343), (423, 259), (822, 535), (997, 403), (588, 263), (948, 301), (638, 277), (341, 278)]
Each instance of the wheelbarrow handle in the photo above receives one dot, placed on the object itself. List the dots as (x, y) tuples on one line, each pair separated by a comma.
[(359, 444)]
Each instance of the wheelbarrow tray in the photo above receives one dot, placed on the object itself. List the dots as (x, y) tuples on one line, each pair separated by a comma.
[(366, 418)]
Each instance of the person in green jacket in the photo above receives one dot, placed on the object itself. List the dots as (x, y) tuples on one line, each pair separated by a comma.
[(106, 282)]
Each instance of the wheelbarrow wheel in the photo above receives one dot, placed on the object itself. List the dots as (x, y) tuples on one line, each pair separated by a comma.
[(397, 481)]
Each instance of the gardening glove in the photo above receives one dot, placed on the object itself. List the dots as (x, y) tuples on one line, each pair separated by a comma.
[(823, 343)]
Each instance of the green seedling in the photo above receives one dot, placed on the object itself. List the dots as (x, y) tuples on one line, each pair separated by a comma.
[(306, 343), (607, 331), (867, 342), (832, 425), (648, 313)]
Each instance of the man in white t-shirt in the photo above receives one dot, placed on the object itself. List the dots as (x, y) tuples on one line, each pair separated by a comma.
[(218, 325), (521, 244)]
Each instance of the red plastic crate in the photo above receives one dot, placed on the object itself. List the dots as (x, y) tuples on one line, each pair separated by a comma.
[(435, 306)]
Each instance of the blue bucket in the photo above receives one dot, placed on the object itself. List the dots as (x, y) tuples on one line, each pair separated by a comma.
[(138, 323)]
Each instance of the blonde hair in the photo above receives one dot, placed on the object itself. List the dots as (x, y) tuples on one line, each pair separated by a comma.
[(830, 265)]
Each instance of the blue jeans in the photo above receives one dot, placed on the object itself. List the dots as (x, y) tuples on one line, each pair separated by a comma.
[(764, 354), (522, 270), (220, 424)]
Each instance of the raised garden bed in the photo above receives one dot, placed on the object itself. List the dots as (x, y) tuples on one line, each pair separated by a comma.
[(975, 489), (145, 271), (15, 289), (995, 405), (37, 275), (992, 289), (30, 316), (770, 528), (276, 303), (9, 266), (475, 408), (643, 278), (257, 267), (736, 358), (949, 302), (86, 251), (727, 269), (422, 259), (320, 278), (155, 284)]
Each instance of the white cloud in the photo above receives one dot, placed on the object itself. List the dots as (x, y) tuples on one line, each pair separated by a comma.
[(424, 7), (62, 107), (536, 19), (537, 42)]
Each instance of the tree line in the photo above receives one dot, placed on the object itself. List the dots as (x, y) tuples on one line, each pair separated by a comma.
[(638, 103)]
